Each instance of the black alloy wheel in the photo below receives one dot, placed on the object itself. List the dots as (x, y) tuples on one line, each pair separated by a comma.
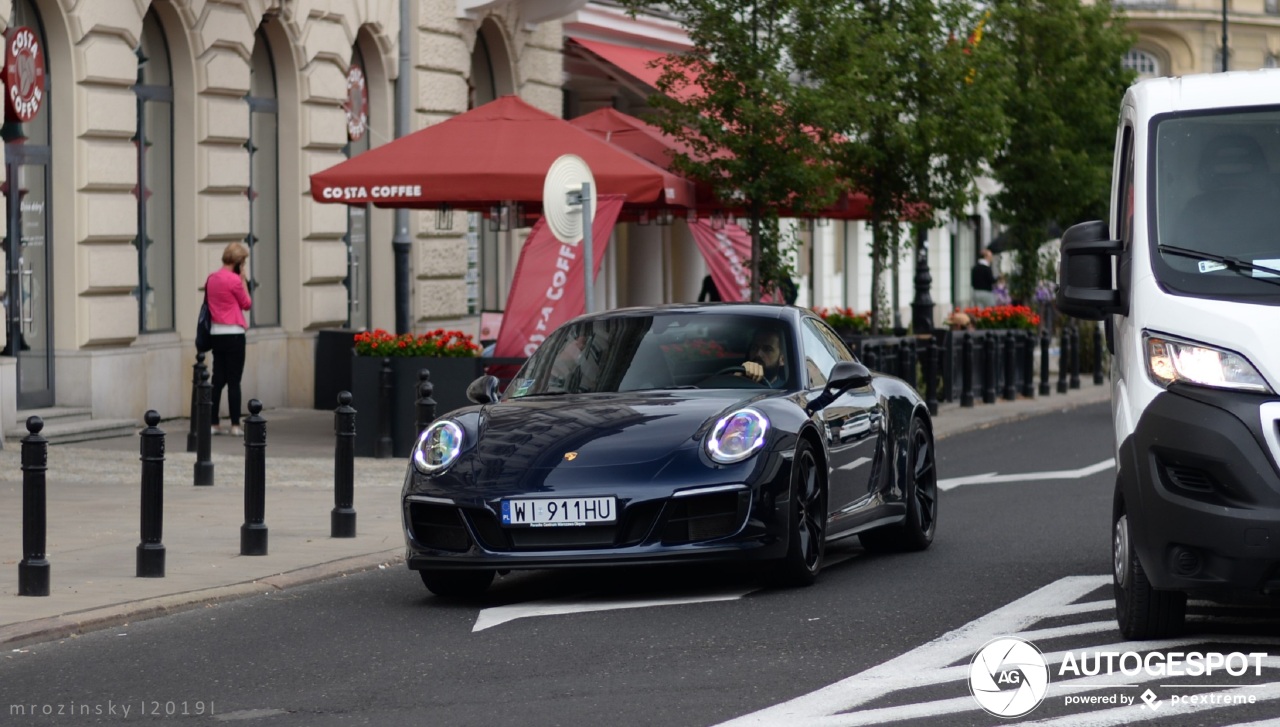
[(1142, 612), (920, 493), (807, 530), (456, 583)]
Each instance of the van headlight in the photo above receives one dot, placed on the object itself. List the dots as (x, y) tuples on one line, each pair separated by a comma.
[(437, 447), (1170, 360), (737, 436)]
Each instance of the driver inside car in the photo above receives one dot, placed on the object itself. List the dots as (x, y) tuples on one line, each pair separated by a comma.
[(765, 362)]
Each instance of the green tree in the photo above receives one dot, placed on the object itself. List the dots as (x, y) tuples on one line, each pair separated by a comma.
[(917, 100), (735, 102), (1066, 85)]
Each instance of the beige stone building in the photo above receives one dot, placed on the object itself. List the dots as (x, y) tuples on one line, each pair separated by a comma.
[(170, 128), (1180, 37)]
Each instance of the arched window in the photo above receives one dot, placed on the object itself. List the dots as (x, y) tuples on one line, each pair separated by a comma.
[(1145, 64), (491, 251), (264, 186), (357, 108), (154, 190)]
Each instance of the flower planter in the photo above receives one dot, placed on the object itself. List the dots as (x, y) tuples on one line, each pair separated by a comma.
[(449, 376)]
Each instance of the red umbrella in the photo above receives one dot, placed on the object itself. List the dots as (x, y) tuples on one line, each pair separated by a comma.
[(499, 152), (655, 146)]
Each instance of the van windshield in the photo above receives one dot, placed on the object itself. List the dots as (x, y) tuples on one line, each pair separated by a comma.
[(1217, 191)]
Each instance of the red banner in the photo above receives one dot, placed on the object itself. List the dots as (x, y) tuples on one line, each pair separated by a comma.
[(549, 288), (728, 255)]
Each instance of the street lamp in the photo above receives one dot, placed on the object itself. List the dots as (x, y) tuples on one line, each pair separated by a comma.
[(1224, 36)]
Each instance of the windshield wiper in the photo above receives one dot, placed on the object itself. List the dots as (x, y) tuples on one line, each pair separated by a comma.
[(1232, 263)]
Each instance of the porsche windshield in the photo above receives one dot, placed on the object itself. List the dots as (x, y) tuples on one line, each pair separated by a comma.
[(1217, 203), (663, 351)]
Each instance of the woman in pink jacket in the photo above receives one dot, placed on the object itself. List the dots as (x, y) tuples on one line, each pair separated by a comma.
[(228, 292)]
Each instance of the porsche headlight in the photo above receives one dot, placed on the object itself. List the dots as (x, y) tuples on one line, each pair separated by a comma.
[(737, 436), (437, 447), (1170, 360)]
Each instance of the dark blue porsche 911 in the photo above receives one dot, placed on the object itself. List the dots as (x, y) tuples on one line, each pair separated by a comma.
[(672, 434)]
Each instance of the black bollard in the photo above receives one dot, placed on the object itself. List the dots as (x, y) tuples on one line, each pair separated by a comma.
[(1097, 354), (988, 368), (931, 376), (1044, 362), (253, 534), (425, 405), (192, 436), (1010, 368), (1064, 360), (910, 362), (151, 550), (966, 371), (1028, 364), (342, 519), (204, 417), (33, 571), (386, 386), (1075, 357)]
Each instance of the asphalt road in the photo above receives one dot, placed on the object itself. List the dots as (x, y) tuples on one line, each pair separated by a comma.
[(709, 646)]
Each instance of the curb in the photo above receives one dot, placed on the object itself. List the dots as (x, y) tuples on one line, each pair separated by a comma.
[(83, 622), (1060, 405)]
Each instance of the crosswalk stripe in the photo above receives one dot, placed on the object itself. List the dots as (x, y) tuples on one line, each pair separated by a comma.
[(945, 661)]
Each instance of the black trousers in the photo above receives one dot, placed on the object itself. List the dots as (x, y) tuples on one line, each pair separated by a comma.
[(228, 367)]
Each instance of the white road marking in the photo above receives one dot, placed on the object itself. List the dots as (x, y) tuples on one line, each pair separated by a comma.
[(993, 477), (490, 617), (945, 660), (856, 463)]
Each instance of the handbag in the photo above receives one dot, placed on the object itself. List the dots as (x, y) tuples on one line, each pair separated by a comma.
[(204, 325)]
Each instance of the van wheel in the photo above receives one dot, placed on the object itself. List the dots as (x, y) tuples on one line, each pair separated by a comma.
[(1142, 611)]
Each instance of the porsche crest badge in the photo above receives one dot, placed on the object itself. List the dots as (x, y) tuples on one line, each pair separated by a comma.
[(570, 456)]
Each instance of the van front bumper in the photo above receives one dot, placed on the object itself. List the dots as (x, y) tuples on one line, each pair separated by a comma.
[(1201, 486)]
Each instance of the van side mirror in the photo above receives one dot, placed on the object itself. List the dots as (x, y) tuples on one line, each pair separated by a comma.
[(1086, 283), (483, 390)]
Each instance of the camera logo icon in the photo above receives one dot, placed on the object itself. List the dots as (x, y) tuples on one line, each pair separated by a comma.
[(1008, 677)]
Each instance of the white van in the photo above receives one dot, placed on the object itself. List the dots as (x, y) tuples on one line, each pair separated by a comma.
[(1187, 280)]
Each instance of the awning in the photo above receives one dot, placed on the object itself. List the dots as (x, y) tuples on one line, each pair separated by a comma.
[(651, 144), (496, 153), (638, 68)]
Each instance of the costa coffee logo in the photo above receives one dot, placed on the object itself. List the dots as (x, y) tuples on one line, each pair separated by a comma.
[(357, 105), (23, 74)]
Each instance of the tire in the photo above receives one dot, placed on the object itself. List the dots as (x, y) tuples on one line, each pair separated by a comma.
[(456, 583), (806, 521), (1142, 612), (920, 491)]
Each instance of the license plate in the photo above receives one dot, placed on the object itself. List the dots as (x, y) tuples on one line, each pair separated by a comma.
[(560, 512)]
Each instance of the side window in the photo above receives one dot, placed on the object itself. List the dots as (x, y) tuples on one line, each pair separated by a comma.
[(1126, 188), (817, 353)]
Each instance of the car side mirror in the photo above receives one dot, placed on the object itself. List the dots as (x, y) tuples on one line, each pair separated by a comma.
[(844, 375), (847, 375), (1086, 283), (483, 390)]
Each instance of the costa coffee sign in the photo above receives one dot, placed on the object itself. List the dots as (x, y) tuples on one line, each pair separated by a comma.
[(23, 74), (357, 104)]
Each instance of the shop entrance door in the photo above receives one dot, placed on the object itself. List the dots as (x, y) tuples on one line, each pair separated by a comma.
[(28, 298)]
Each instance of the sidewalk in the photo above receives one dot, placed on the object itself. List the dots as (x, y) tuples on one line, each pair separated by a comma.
[(93, 495)]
